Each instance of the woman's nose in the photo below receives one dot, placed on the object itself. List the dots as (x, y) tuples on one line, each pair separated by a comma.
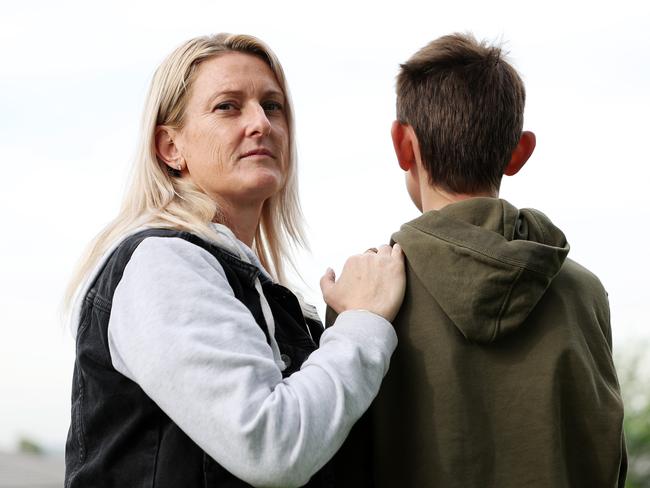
[(257, 122)]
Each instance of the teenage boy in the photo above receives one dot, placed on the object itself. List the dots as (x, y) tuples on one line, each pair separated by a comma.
[(503, 376)]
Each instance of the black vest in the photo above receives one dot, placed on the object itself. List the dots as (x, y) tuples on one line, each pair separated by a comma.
[(118, 436)]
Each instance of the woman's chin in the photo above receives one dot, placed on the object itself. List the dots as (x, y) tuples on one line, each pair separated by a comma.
[(261, 188), (268, 180)]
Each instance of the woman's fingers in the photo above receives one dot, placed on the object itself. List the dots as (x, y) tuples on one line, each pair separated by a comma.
[(384, 250), (396, 251), (370, 281), (327, 281)]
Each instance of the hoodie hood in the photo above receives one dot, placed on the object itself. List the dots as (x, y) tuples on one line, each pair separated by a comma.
[(485, 262)]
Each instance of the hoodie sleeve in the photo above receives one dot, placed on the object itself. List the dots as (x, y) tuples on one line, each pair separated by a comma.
[(178, 331)]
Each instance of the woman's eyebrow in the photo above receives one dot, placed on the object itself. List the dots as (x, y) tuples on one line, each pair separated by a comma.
[(271, 92), (274, 93), (226, 92)]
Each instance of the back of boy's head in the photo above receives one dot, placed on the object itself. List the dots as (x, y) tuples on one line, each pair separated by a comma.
[(465, 104)]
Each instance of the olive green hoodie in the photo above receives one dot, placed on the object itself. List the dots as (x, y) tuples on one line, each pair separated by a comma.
[(503, 376)]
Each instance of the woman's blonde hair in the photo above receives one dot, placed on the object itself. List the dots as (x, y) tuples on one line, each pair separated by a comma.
[(159, 197)]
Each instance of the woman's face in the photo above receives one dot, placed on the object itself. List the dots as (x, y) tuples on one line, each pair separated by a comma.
[(235, 139)]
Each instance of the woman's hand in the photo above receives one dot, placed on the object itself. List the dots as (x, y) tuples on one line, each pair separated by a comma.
[(372, 281)]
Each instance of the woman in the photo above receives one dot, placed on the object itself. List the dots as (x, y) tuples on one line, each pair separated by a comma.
[(194, 366)]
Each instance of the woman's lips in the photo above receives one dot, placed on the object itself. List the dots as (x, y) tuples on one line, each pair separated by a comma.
[(260, 152)]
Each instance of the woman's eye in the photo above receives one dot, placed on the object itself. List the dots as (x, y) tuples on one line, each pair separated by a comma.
[(272, 106), (225, 106)]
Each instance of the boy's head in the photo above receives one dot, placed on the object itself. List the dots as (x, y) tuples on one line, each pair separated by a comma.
[(465, 104)]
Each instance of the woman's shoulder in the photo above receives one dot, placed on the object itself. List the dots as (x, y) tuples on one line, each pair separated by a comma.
[(157, 238), (168, 248), (152, 240), (153, 251)]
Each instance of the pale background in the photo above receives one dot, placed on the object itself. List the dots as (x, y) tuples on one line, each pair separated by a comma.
[(72, 81)]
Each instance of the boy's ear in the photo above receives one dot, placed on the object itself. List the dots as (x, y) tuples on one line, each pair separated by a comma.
[(521, 153), (402, 136)]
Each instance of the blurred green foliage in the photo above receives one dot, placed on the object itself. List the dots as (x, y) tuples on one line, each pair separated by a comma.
[(29, 446), (633, 365)]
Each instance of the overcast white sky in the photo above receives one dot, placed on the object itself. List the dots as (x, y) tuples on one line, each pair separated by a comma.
[(72, 81)]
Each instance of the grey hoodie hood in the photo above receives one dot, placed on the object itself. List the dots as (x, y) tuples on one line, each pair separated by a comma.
[(485, 262)]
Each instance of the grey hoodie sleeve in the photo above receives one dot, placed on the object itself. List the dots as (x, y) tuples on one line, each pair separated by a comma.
[(178, 331)]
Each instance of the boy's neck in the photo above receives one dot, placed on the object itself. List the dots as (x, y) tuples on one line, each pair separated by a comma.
[(435, 198)]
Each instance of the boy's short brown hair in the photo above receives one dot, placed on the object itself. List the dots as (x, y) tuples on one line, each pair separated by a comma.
[(465, 104)]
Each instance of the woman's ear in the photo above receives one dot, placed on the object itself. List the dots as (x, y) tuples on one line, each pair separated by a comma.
[(403, 145), (521, 153), (167, 150)]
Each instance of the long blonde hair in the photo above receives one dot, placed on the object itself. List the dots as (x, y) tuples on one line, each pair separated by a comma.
[(157, 197)]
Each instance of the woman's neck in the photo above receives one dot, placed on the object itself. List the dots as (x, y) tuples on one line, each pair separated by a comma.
[(243, 221)]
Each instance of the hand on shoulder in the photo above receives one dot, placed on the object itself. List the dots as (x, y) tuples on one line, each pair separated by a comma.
[(373, 281)]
